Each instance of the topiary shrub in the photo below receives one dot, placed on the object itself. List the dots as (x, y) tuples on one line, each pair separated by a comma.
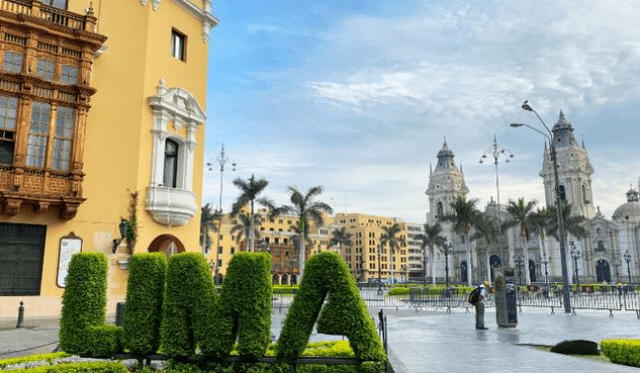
[(104, 340), (622, 351), (345, 313), (395, 291), (84, 300), (576, 347), (244, 309), (189, 306), (143, 312), (48, 357)]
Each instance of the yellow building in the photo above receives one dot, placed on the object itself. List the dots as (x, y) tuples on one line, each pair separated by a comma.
[(98, 99), (364, 257), (276, 236)]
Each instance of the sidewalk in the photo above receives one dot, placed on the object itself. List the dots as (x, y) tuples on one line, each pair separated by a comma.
[(449, 343), (38, 336)]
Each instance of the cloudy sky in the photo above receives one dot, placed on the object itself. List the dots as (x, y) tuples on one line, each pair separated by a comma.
[(357, 96)]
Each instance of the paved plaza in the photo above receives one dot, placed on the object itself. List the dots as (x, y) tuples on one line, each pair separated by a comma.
[(429, 341), (441, 342)]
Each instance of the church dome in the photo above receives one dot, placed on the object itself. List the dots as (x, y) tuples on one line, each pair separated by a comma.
[(631, 209)]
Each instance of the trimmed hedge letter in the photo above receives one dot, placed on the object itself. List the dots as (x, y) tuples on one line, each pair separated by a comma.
[(189, 305), (143, 312), (245, 307), (344, 314), (83, 302)]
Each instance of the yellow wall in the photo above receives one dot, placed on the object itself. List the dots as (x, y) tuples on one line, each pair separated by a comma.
[(118, 144)]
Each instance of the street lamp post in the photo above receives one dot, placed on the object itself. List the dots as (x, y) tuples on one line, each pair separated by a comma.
[(221, 160), (545, 262), (627, 258), (575, 254), (497, 153), (519, 260), (379, 271), (563, 255)]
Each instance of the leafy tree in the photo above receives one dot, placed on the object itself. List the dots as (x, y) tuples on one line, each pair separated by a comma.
[(573, 225), (521, 214), (445, 250), (390, 237), (209, 222), (431, 238), (307, 210), (250, 191), (540, 223), (464, 218)]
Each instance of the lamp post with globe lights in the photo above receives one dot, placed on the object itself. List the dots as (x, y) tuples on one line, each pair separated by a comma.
[(627, 258), (566, 297), (496, 153), (220, 160)]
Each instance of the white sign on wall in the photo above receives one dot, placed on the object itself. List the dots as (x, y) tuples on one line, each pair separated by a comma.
[(69, 245)]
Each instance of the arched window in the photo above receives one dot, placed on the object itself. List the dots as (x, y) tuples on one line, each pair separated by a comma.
[(171, 164), (563, 193), (439, 209)]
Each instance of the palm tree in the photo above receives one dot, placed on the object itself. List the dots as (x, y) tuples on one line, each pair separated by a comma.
[(540, 222), (340, 237), (250, 189), (521, 214), (573, 224), (307, 210), (465, 217), (209, 222), (488, 229), (389, 236), (245, 226), (445, 250), (430, 238)]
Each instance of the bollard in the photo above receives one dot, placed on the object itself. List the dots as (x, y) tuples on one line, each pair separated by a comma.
[(20, 323)]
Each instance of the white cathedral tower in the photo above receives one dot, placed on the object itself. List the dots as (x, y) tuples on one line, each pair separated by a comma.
[(446, 183), (574, 171)]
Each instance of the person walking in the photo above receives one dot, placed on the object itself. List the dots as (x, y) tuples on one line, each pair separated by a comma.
[(476, 298)]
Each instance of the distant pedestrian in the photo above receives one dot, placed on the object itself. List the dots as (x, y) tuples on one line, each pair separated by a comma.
[(476, 298)]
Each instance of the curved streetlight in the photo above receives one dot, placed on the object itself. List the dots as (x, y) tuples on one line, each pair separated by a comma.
[(563, 254)]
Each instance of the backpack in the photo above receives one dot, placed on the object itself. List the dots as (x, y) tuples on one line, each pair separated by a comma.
[(474, 296)]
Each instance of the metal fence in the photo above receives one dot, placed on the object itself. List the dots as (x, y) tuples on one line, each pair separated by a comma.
[(613, 300)]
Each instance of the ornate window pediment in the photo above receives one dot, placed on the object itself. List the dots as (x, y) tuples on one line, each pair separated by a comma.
[(173, 203)]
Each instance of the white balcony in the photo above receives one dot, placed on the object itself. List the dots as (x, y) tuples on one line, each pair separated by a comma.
[(171, 206)]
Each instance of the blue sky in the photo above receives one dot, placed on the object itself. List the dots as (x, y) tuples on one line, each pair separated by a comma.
[(358, 95)]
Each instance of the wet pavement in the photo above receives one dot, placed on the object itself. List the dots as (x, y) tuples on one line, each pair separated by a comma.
[(429, 341), (441, 342)]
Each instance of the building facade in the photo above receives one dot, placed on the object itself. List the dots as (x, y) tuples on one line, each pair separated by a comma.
[(94, 116), (609, 251)]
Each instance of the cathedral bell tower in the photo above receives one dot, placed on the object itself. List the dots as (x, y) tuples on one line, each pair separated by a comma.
[(446, 183), (574, 171)]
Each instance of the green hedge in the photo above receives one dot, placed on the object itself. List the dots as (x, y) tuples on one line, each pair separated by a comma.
[(622, 351), (84, 300), (143, 312), (189, 306), (32, 358), (93, 367), (399, 291), (244, 309), (344, 314), (285, 289), (104, 340)]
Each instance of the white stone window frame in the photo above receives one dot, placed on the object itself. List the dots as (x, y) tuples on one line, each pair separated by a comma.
[(178, 107)]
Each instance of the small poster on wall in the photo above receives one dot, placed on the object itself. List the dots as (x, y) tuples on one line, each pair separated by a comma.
[(69, 245)]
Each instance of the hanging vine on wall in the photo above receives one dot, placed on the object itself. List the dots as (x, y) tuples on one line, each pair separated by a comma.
[(132, 223)]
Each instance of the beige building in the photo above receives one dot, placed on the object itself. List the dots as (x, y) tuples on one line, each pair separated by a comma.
[(277, 237)]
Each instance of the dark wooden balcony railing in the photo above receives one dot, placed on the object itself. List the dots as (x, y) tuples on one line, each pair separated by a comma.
[(61, 17)]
